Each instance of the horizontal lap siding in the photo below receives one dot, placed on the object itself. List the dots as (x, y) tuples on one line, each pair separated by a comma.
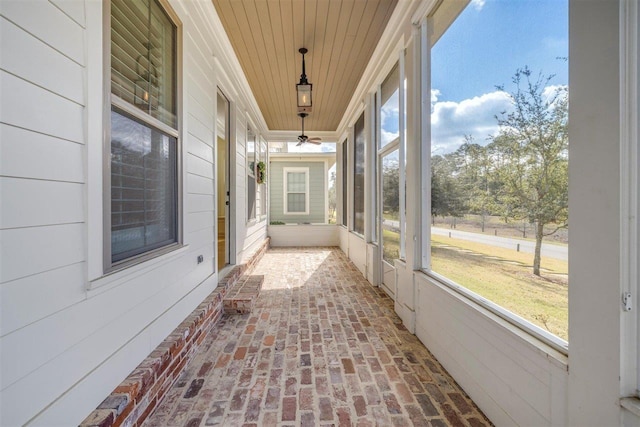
[(199, 104), (249, 234), (64, 348), (254, 236), (42, 215), (50, 24), (41, 163), (317, 199)]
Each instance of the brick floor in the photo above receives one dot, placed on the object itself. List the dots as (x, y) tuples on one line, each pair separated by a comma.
[(322, 347)]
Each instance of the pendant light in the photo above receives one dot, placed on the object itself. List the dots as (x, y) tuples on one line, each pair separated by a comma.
[(303, 89)]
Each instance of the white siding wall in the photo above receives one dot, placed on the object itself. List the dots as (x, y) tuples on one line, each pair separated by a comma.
[(41, 185), (314, 235), (511, 377), (249, 234), (344, 239), (68, 336), (357, 252)]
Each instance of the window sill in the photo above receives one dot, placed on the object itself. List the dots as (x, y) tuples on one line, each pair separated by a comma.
[(631, 404), (118, 277), (355, 233)]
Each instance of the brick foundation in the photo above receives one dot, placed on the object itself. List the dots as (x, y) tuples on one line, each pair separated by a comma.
[(137, 396)]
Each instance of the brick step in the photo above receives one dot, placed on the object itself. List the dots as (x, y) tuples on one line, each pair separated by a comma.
[(242, 296)]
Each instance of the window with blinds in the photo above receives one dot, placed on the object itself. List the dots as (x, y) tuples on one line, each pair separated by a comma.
[(296, 190), (143, 51), (143, 132)]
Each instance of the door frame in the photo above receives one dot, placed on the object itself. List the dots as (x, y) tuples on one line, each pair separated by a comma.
[(229, 184)]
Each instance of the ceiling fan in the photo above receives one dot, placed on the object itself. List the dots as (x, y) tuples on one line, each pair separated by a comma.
[(304, 138)]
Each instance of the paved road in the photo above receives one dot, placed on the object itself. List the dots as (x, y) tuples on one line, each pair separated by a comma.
[(528, 246)]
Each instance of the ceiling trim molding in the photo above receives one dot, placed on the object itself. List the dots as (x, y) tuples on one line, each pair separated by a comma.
[(234, 80), (223, 81), (425, 8), (343, 137)]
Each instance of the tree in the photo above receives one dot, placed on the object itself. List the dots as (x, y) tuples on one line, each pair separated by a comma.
[(332, 197), (447, 197), (478, 178), (391, 188), (532, 155)]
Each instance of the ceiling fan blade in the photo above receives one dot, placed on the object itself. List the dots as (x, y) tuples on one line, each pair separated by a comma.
[(315, 139), (299, 143), (314, 142)]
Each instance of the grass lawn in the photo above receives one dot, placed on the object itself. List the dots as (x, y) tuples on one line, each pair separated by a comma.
[(505, 277), (390, 245)]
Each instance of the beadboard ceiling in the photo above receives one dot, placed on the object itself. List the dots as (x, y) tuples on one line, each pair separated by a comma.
[(340, 36)]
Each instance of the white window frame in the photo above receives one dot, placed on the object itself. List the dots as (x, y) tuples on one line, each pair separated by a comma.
[(372, 230), (423, 194), (342, 176), (261, 189), (251, 173), (399, 144), (285, 190), (135, 113), (629, 201)]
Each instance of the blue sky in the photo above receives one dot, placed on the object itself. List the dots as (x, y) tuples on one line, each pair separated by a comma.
[(491, 39), (482, 49)]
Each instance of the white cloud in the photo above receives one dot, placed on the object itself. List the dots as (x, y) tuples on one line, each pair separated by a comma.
[(435, 93), (451, 121), (478, 4), (391, 108), (389, 118), (387, 137), (550, 92)]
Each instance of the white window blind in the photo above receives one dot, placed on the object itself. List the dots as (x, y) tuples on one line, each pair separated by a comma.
[(296, 190), (143, 42)]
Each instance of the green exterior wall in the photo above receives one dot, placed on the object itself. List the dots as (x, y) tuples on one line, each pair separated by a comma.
[(317, 184)]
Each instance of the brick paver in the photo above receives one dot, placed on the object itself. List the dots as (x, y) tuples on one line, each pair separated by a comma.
[(322, 347)]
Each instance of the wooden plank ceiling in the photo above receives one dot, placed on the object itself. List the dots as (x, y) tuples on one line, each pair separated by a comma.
[(340, 35)]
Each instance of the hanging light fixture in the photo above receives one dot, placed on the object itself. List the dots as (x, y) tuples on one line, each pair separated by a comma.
[(303, 89)]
